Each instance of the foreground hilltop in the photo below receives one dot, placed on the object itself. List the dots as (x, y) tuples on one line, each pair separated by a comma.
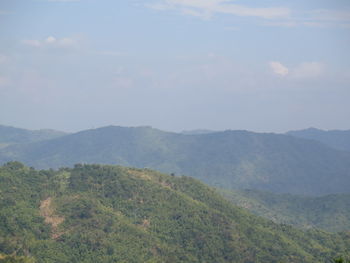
[(229, 159), (99, 213)]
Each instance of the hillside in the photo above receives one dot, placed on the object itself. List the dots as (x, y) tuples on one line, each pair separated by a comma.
[(334, 138), (11, 135), (95, 213), (230, 159), (330, 213)]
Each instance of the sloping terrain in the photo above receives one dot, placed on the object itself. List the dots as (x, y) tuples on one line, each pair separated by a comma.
[(230, 159), (330, 212), (117, 214), (334, 138), (11, 135)]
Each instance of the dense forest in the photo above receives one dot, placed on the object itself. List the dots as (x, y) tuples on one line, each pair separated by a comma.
[(100, 213), (330, 212)]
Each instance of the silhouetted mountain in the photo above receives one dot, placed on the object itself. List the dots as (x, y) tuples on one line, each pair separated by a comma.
[(334, 138), (230, 159)]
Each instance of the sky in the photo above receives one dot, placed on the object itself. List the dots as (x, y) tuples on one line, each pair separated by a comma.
[(265, 66)]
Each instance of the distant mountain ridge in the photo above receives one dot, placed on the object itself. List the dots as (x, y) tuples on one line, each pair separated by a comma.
[(198, 131), (337, 139), (11, 135), (229, 159)]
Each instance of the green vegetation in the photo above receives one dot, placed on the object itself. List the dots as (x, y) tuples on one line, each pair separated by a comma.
[(15, 259), (99, 213), (340, 260), (230, 159), (330, 212)]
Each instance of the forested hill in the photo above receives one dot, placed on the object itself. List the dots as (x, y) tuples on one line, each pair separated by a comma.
[(10, 135), (95, 213), (333, 138), (330, 212), (230, 159)]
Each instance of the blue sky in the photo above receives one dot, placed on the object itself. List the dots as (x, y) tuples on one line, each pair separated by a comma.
[(175, 64)]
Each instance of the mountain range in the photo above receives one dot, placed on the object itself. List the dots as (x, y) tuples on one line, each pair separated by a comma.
[(104, 213), (334, 138), (229, 159), (10, 135)]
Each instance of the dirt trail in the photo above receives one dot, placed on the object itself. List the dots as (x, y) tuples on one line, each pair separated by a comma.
[(48, 213)]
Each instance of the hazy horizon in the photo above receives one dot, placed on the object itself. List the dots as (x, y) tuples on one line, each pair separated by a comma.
[(175, 65), (175, 131)]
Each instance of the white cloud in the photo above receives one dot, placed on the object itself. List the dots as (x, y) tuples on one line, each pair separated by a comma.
[(278, 68), (283, 17), (320, 18), (51, 41), (305, 70), (192, 12), (207, 8), (308, 70)]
